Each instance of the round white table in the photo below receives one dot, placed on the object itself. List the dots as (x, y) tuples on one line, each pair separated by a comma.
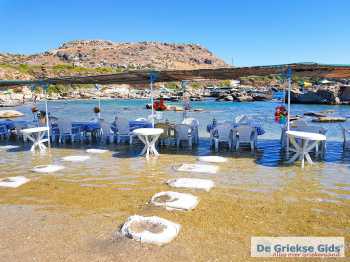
[(149, 137), (308, 143), (36, 135)]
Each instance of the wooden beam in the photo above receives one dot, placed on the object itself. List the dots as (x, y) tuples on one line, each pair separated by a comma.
[(142, 77)]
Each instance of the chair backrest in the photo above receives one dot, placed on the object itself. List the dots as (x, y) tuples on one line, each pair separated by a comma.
[(159, 115), (21, 125), (244, 132), (241, 119), (345, 132), (3, 129), (122, 125), (64, 126), (223, 131), (166, 129), (105, 127), (191, 122), (182, 131)]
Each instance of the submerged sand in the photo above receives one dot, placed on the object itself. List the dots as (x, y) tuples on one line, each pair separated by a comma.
[(74, 214)]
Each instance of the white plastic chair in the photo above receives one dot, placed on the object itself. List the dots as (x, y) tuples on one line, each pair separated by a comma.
[(222, 133), (18, 128), (4, 132), (183, 133), (194, 124), (294, 125), (245, 134), (106, 134), (123, 129), (66, 130)]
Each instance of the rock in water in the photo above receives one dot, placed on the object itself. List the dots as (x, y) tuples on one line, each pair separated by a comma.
[(194, 183), (329, 119), (175, 201), (10, 113), (47, 169), (152, 230), (13, 182), (198, 168)]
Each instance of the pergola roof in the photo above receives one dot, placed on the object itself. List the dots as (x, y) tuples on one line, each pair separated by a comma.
[(142, 77)]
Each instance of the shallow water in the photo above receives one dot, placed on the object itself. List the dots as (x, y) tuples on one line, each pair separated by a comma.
[(254, 194), (263, 112)]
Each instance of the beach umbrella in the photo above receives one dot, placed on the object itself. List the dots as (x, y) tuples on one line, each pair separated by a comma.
[(152, 79)]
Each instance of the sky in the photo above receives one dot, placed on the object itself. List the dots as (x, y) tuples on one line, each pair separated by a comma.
[(249, 32)]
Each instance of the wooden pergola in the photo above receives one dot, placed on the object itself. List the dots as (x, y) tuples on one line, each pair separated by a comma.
[(143, 76)]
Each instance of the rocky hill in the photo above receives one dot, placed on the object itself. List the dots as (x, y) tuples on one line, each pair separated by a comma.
[(98, 56)]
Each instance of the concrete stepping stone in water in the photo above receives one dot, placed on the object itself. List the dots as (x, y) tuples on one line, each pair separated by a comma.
[(152, 230), (13, 182), (8, 147), (198, 168), (193, 183), (175, 201), (212, 159), (47, 168), (96, 151), (75, 158)]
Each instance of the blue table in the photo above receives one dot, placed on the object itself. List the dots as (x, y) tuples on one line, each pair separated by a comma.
[(133, 124), (139, 124), (87, 126), (11, 124)]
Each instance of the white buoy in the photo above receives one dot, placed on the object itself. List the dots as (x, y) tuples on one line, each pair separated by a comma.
[(175, 201), (13, 182), (47, 168), (152, 230), (96, 151), (198, 168), (76, 158), (212, 159), (194, 183), (8, 147)]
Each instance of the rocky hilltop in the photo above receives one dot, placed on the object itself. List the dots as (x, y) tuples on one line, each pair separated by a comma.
[(99, 56)]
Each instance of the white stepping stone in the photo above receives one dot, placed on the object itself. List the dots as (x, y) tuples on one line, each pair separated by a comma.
[(75, 158), (8, 147), (152, 230), (212, 159), (13, 182), (96, 151), (194, 183), (198, 168), (47, 168), (175, 201)]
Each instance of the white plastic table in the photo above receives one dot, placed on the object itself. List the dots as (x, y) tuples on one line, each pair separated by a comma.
[(309, 142), (36, 135), (149, 137)]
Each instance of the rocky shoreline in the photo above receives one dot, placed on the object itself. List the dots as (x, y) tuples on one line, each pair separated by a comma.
[(332, 93)]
